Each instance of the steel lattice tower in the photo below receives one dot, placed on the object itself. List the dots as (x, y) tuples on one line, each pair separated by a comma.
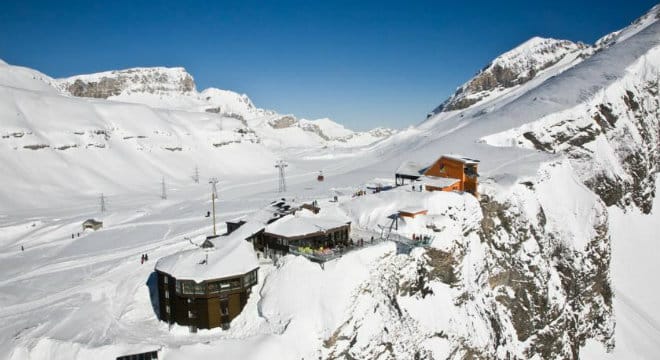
[(214, 195), (281, 165)]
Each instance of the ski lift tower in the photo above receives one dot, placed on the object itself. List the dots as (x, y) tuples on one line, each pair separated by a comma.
[(214, 194), (281, 165)]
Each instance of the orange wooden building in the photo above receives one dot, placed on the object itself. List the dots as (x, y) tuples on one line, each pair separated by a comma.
[(448, 173), (456, 167)]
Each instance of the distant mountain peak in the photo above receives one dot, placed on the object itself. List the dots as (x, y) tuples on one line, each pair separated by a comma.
[(514, 67), (524, 62), (151, 80)]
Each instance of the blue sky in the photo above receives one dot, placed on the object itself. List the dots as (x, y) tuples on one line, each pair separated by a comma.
[(362, 63)]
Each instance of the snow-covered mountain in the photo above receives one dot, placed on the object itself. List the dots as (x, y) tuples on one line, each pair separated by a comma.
[(555, 260), (150, 120), (159, 87), (535, 58), (514, 68)]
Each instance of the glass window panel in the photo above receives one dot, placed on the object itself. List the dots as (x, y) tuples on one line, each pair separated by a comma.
[(214, 287), (187, 287), (200, 289)]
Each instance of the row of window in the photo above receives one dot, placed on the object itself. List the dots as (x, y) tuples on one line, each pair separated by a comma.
[(337, 236), (188, 287), (224, 310)]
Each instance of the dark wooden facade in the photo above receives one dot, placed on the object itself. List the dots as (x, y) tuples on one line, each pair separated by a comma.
[(210, 304)]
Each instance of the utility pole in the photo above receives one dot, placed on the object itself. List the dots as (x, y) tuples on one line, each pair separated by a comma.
[(281, 165), (102, 203), (163, 194), (214, 194), (195, 176)]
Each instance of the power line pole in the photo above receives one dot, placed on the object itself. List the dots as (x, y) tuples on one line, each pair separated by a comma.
[(163, 194), (195, 176), (214, 194), (102, 203), (282, 184)]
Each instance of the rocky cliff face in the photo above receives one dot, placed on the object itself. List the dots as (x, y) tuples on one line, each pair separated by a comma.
[(514, 68), (613, 140), (522, 283), (537, 55), (137, 80)]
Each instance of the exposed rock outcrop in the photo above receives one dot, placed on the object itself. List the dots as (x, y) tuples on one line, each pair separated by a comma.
[(513, 68)]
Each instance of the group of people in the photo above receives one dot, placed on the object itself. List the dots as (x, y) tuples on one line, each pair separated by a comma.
[(73, 235), (420, 187), (145, 257), (416, 237), (360, 242)]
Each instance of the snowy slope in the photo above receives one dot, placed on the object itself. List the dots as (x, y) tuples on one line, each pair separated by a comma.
[(542, 266), (86, 145)]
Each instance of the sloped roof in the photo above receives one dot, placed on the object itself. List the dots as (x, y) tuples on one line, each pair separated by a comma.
[(292, 226), (230, 256), (411, 168), (461, 158), (412, 210)]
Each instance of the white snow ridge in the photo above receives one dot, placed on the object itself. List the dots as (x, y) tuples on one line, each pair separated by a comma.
[(553, 259)]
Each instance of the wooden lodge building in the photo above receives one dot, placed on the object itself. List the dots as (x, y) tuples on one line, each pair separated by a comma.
[(92, 224), (448, 173), (303, 232), (208, 286)]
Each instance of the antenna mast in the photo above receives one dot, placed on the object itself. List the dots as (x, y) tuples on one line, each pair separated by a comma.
[(214, 194), (195, 176), (281, 165), (102, 203), (163, 194)]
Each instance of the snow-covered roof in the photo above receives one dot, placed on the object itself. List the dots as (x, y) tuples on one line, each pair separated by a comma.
[(461, 158), (292, 226), (230, 256), (438, 182), (410, 168), (412, 210)]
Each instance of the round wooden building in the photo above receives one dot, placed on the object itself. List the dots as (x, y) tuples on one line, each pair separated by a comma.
[(207, 287)]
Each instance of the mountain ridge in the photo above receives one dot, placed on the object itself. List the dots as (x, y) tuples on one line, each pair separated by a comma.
[(535, 55)]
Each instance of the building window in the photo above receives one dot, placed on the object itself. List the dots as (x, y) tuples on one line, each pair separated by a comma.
[(214, 287), (165, 279), (250, 278), (200, 289), (224, 311), (167, 294), (178, 286), (191, 315), (167, 309), (230, 284), (187, 287)]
